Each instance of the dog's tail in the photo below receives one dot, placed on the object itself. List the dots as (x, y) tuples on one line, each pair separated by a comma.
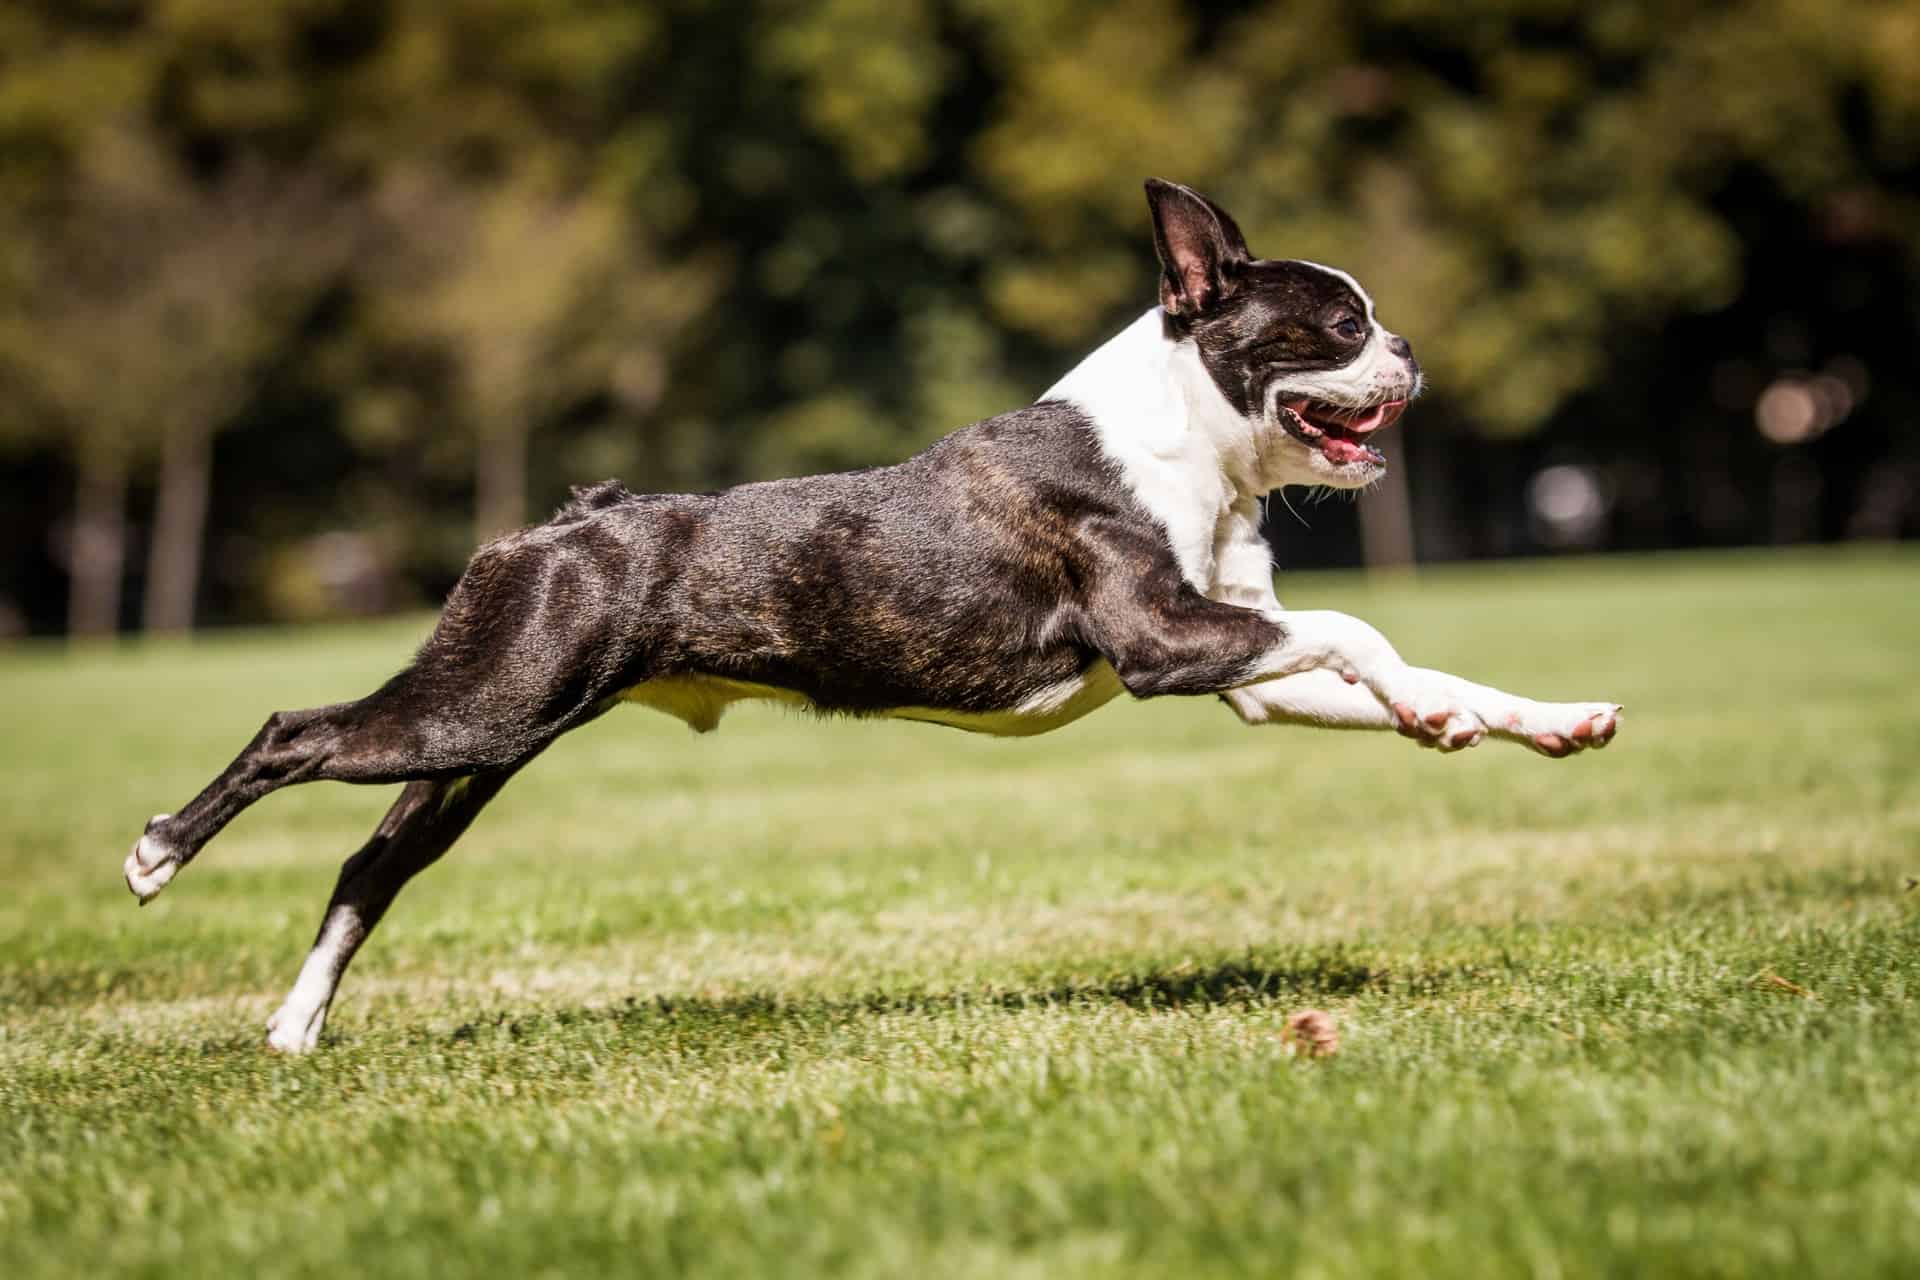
[(586, 499)]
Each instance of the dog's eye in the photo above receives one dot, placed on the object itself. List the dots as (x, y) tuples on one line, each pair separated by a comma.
[(1347, 327)]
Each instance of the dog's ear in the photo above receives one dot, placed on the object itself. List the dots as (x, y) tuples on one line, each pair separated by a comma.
[(1201, 249)]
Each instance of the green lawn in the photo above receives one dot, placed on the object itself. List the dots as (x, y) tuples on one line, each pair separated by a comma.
[(879, 999)]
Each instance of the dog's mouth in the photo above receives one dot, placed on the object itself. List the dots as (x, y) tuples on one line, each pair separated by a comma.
[(1340, 434)]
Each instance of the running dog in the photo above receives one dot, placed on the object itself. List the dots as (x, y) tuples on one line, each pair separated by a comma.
[(1013, 577)]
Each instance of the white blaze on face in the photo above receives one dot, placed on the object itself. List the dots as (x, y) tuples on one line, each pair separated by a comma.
[(1375, 374)]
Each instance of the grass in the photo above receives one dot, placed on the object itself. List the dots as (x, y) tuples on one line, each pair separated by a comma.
[(882, 999)]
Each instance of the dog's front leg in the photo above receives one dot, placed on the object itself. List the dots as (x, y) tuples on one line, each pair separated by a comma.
[(1423, 705), (1327, 698), (1433, 708), (1183, 643), (1324, 700)]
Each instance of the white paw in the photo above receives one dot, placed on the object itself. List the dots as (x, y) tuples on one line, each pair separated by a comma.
[(294, 1030), (1429, 715), (1559, 729), (151, 864)]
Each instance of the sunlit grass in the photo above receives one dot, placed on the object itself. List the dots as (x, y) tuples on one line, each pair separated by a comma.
[(874, 999)]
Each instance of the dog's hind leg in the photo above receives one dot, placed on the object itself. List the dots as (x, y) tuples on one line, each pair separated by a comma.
[(528, 647), (406, 731), (423, 823)]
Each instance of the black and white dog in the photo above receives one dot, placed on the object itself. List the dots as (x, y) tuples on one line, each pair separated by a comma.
[(1010, 579)]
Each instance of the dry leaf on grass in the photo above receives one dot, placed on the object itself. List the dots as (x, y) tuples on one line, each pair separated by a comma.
[(1311, 1034), (1774, 982)]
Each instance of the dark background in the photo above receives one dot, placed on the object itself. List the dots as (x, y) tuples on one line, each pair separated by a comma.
[(299, 297)]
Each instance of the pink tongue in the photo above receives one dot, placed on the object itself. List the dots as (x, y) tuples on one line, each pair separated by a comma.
[(1342, 450), (1381, 415), (1365, 422)]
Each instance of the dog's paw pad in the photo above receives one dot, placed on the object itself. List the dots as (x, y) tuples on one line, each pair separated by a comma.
[(1596, 730), (1577, 727), (151, 864), (1435, 721), (294, 1031)]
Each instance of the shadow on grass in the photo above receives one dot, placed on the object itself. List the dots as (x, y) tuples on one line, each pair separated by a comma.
[(1230, 984)]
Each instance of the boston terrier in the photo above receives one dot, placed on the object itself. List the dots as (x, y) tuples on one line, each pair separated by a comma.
[(1013, 577)]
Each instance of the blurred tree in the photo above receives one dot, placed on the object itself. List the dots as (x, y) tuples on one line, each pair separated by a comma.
[(869, 73), (241, 263), (152, 309), (1525, 180), (62, 330), (706, 240), (54, 88), (527, 273), (525, 299)]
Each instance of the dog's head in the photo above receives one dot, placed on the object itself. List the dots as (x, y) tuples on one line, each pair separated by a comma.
[(1293, 346)]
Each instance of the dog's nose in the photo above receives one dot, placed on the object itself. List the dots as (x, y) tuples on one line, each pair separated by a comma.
[(1400, 347)]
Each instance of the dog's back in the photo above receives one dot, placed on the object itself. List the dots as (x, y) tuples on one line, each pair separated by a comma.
[(901, 588)]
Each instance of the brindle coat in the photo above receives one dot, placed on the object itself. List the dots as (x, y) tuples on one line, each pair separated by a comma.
[(1007, 579)]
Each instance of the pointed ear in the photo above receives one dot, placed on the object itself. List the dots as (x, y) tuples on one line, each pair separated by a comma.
[(1201, 249)]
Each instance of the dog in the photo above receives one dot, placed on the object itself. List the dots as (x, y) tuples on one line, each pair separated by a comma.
[(1013, 577)]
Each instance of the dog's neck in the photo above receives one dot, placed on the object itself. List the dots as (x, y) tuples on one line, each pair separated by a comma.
[(1188, 455), (1151, 389)]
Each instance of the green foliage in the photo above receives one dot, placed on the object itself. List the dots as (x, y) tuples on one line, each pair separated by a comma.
[(1523, 179), (520, 299), (869, 72), (151, 303), (876, 999), (705, 240)]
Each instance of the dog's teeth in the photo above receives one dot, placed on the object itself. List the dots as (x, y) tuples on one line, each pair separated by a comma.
[(1304, 428)]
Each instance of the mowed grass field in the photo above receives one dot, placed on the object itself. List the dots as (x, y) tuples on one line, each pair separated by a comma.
[(877, 999)]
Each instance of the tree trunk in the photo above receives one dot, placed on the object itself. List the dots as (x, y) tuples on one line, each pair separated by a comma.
[(179, 530), (96, 558), (1386, 514), (500, 483)]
